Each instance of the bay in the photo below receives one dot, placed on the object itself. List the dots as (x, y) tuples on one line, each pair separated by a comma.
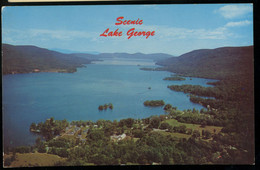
[(36, 97)]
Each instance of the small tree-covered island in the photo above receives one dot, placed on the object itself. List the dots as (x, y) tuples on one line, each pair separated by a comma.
[(174, 78), (220, 133), (105, 106), (154, 103)]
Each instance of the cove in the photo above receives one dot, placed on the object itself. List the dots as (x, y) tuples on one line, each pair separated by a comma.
[(35, 97)]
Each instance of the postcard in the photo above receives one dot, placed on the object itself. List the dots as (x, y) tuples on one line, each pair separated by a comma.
[(143, 84)]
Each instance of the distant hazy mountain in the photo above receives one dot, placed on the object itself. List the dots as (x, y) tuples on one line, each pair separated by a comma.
[(87, 56), (96, 55), (212, 63), (66, 51), (209, 63), (155, 56), (26, 59)]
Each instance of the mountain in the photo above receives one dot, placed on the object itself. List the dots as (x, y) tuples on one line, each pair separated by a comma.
[(66, 51), (155, 56), (92, 57), (26, 59), (216, 63)]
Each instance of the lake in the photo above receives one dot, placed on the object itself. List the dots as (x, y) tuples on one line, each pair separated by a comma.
[(35, 97)]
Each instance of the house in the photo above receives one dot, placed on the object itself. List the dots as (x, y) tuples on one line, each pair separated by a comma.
[(118, 137)]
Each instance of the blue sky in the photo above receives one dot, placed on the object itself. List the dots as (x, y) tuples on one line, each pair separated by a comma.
[(178, 28)]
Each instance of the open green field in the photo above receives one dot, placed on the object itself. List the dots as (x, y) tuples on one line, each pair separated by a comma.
[(35, 159), (174, 122), (177, 135)]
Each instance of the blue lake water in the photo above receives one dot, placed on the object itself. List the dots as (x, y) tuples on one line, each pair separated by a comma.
[(35, 97)]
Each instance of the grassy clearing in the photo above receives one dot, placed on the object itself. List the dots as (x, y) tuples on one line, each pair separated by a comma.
[(35, 159), (136, 139), (174, 122), (177, 135)]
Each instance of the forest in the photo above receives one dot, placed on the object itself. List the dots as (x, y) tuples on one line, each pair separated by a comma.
[(176, 137)]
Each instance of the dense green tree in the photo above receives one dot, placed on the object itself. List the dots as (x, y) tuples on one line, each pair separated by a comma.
[(207, 134), (110, 105), (155, 122), (182, 129), (33, 126), (165, 125), (167, 107), (126, 122), (138, 133), (196, 134), (129, 122), (105, 106), (100, 107), (96, 134), (41, 148)]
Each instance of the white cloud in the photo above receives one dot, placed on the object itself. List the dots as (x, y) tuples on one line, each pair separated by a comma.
[(60, 34), (238, 24), (173, 33), (235, 11), (44, 35)]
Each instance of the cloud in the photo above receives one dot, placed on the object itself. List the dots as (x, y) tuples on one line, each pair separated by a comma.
[(235, 11), (173, 33), (45, 35), (60, 34), (238, 24)]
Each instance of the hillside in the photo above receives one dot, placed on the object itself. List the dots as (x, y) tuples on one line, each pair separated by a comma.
[(27, 59), (212, 63)]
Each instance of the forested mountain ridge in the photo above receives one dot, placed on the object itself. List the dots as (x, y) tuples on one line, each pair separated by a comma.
[(234, 93), (27, 59), (216, 63)]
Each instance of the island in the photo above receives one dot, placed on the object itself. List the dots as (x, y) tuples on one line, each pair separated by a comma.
[(105, 106), (174, 78), (154, 103), (151, 69)]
